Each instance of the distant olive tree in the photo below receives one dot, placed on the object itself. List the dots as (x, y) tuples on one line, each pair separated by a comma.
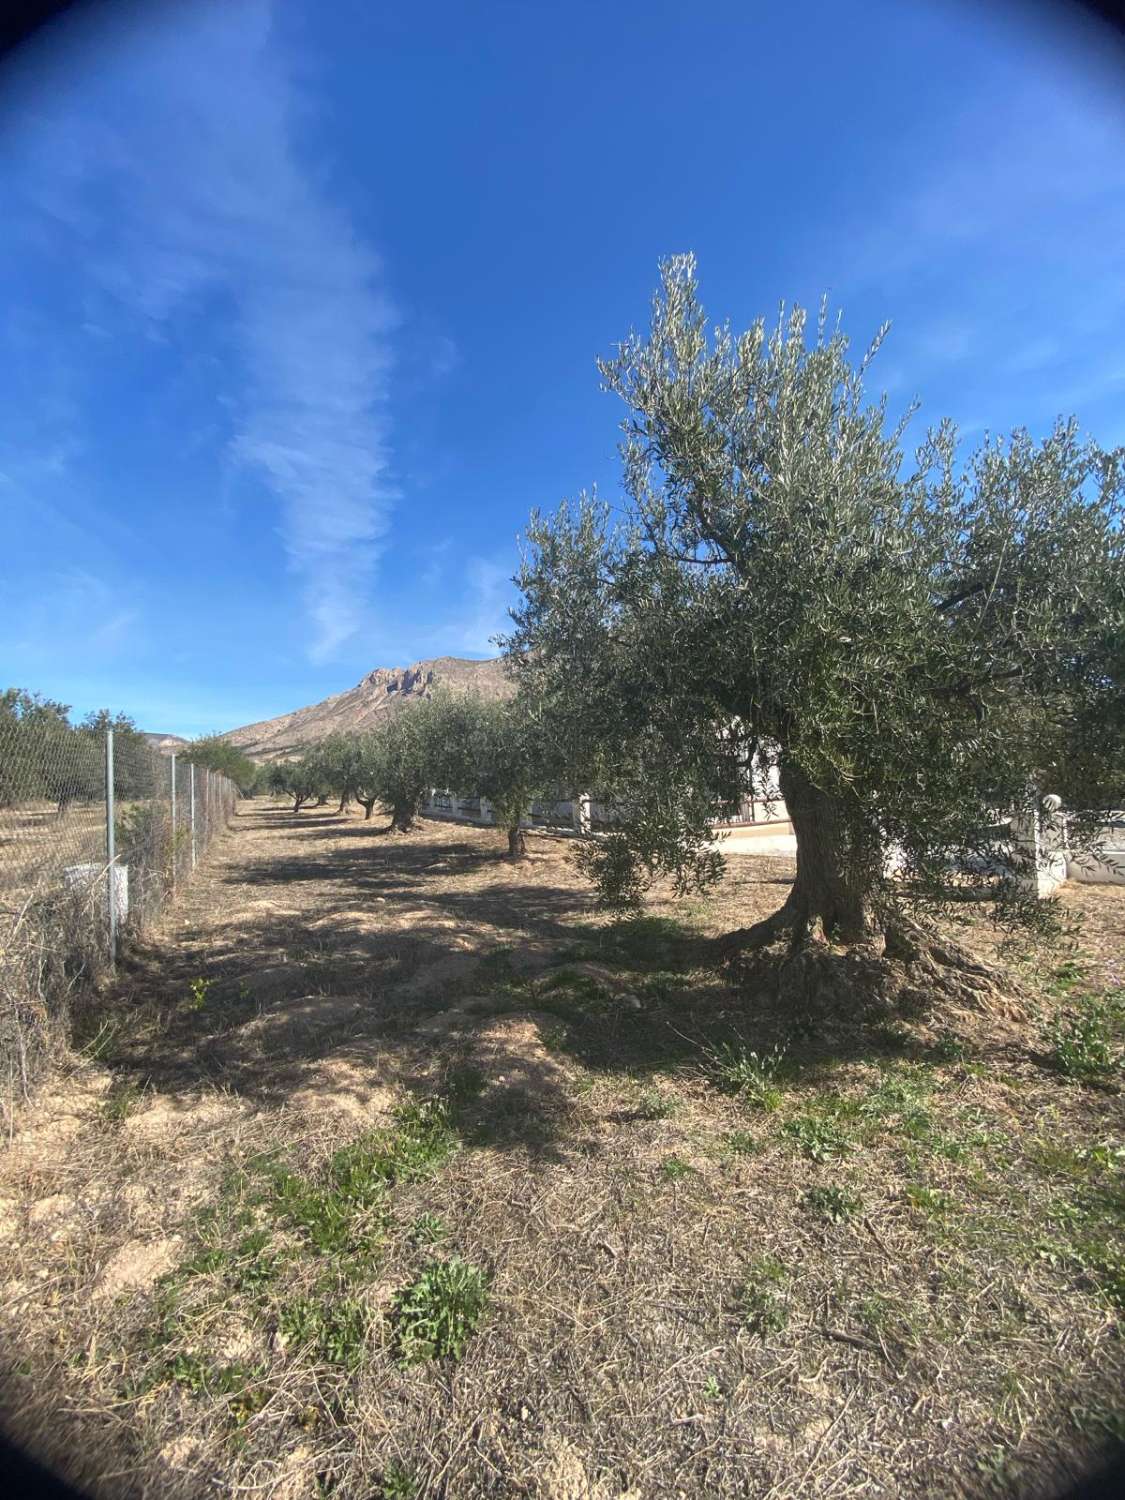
[(36, 744), (911, 650), (496, 749), (303, 779), (214, 753), (342, 758), (397, 762)]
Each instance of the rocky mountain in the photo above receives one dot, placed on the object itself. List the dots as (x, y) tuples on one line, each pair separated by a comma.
[(386, 690), (167, 744)]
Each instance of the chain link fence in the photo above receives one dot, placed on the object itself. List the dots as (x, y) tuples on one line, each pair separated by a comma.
[(97, 832)]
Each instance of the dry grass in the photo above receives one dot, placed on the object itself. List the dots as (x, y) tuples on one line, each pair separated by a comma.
[(728, 1252)]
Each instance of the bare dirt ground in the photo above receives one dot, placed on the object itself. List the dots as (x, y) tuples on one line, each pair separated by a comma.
[(363, 1099)]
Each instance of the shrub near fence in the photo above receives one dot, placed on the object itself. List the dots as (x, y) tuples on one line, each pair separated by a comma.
[(97, 830)]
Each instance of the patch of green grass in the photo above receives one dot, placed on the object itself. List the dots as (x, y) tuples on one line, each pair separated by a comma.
[(333, 1331), (396, 1483), (582, 988), (1080, 1042), (1103, 1262), (652, 942), (195, 1374), (760, 1301), (1100, 1421), (1066, 978), (751, 1075), (206, 1262), (101, 1044), (932, 1201), (834, 1203), (819, 1139), (254, 1265), (326, 1218), (462, 1083), (1079, 1162), (673, 1168), (436, 1315), (348, 1210), (428, 1229), (497, 964), (742, 1143), (712, 1390), (653, 1105), (891, 1037), (120, 1102)]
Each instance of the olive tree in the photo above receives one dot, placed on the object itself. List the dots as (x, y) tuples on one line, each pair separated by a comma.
[(214, 753), (396, 763), (495, 748), (304, 779), (911, 650)]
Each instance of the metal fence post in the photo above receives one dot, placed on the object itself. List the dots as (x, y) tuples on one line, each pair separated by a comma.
[(193, 817), (173, 822), (110, 848)]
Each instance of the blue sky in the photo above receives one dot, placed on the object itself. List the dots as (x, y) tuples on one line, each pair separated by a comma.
[(299, 303)]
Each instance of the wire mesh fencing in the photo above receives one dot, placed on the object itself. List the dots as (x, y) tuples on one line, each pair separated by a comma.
[(97, 832)]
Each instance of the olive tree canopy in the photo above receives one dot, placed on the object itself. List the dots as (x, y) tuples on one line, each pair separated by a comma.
[(496, 749), (913, 650)]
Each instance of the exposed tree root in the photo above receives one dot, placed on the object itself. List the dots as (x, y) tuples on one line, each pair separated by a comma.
[(901, 967)]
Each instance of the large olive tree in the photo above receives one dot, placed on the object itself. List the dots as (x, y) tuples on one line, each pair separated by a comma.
[(912, 651)]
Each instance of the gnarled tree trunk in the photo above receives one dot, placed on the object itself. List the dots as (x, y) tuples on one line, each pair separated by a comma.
[(839, 864), (402, 818), (517, 843), (367, 803), (840, 934)]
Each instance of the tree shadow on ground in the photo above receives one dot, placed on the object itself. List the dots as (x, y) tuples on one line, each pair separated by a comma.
[(339, 970)]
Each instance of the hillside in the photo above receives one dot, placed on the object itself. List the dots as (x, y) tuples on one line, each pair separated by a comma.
[(384, 691), (167, 744)]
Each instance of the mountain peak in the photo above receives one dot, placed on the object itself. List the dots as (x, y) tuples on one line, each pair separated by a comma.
[(382, 691)]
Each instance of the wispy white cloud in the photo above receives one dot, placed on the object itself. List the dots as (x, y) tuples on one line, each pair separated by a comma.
[(1005, 225), (437, 558), (490, 592), (76, 605), (179, 179)]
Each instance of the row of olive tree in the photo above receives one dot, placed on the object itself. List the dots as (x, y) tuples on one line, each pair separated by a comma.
[(462, 743), (44, 756), (213, 753), (909, 649)]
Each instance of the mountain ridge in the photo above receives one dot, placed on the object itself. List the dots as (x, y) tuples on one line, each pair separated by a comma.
[(382, 691)]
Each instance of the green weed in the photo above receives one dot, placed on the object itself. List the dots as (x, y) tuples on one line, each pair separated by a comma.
[(198, 991), (436, 1315), (818, 1138), (120, 1102), (653, 1105), (428, 1229), (834, 1203), (742, 1143), (932, 1201), (333, 1331), (396, 1483), (673, 1168), (1080, 1042), (751, 1075), (760, 1302)]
